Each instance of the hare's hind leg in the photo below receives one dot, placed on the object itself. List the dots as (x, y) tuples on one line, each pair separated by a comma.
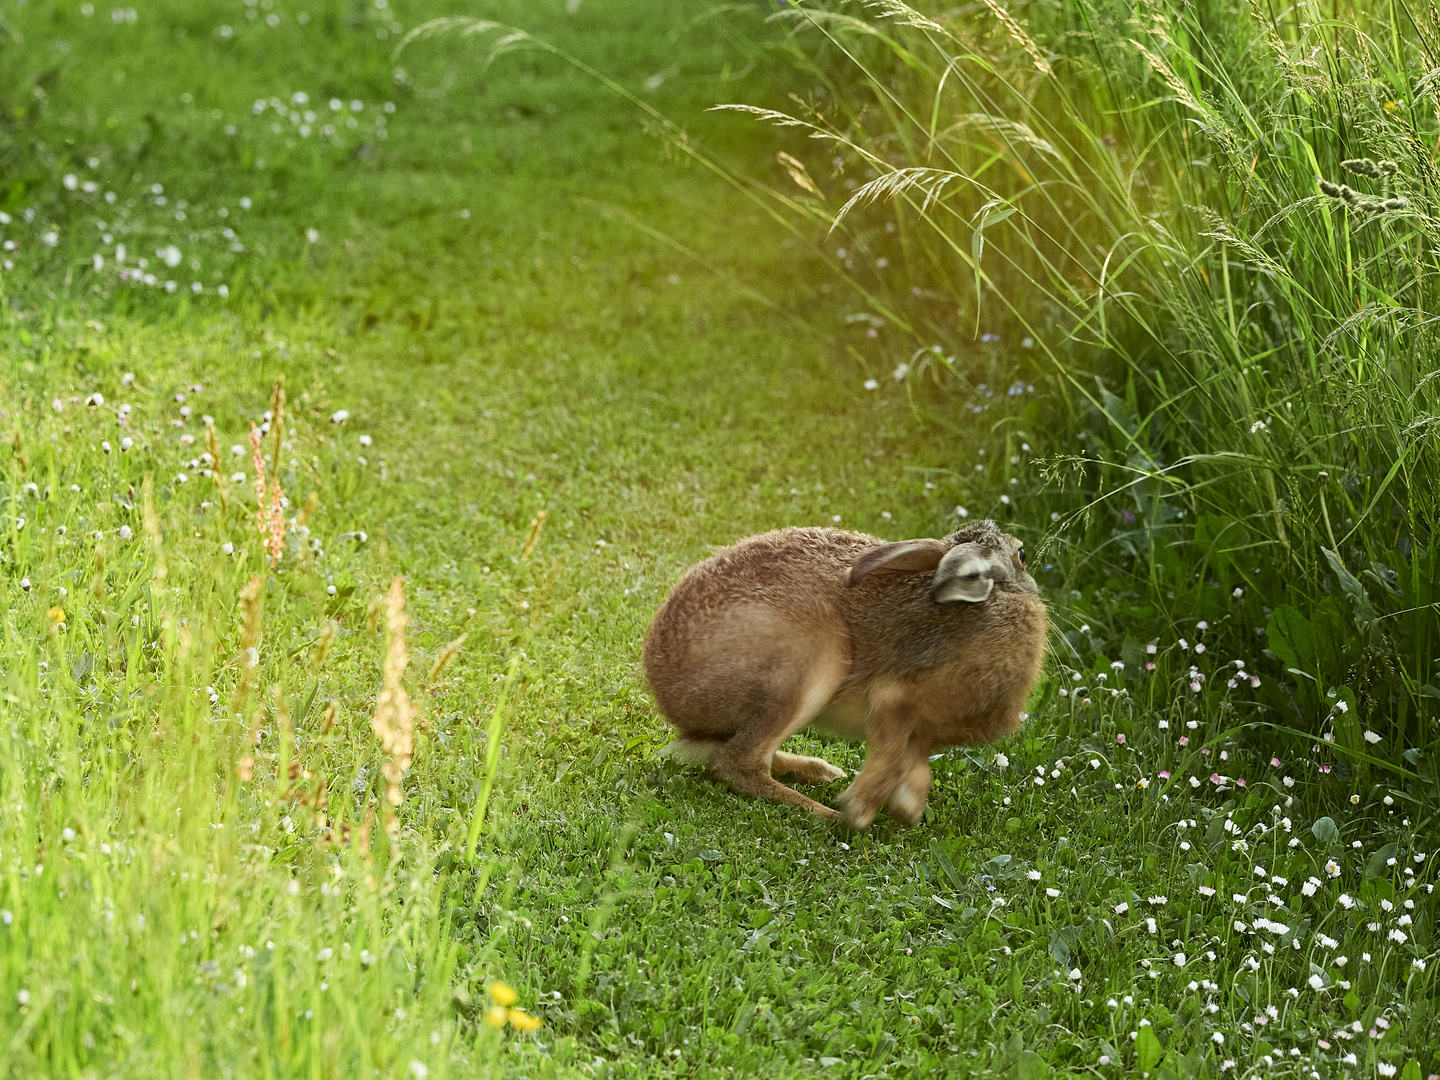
[(804, 770), (749, 759)]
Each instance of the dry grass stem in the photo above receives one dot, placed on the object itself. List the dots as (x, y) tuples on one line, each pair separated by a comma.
[(534, 538)]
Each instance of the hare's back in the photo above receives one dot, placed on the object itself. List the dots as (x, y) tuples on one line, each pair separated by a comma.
[(748, 619), (795, 571)]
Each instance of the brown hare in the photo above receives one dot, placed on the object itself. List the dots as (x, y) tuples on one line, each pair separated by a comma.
[(908, 646)]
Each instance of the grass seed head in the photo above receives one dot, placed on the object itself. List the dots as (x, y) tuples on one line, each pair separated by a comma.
[(394, 719), (536, 525), (277, 421), (212, 444), (327, 637), (303, 517), (22, 463), (443, 660), (97, 583), (152, 532)]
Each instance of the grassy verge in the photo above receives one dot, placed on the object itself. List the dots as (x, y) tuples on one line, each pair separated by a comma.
[(537, 355)]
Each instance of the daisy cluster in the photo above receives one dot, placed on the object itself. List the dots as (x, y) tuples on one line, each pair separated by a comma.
[(1259, 931), (111, 231), (102, 218), (337, 121)]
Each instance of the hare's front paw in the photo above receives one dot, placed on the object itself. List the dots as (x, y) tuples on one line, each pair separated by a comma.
[(906, 805), (859, 810)]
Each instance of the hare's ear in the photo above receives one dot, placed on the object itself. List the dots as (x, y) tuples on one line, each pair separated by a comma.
[(967, 572), (909, 555)]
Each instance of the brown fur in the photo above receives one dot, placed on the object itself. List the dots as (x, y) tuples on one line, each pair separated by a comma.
[(772, 634)]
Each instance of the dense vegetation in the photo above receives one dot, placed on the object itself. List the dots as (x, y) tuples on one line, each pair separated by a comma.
[(1210, 228)]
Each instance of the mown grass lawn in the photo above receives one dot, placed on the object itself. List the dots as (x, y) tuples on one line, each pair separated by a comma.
[(203, 873)]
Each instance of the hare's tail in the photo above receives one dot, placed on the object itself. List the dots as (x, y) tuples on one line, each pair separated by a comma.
[(692, 751)]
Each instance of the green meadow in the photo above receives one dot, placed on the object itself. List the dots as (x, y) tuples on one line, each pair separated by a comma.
[(364, 394)]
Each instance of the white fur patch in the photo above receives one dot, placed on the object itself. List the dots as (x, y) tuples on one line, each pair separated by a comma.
[(691, 751)]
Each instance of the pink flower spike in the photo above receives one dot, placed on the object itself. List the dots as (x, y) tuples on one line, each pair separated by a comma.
[(1254, 680), (1324, 768), (1205, 750), (1184, 740), (1150, 666), (1214, 778), (1120, 739), (1164, 775), (1275, 763), (1240, 782)]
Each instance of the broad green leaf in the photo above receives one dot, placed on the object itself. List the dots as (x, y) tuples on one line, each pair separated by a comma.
[(1148, 1050), (1365, 612), (1291, 638)]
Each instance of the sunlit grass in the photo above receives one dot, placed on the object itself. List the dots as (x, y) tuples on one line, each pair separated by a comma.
[(465, 345)]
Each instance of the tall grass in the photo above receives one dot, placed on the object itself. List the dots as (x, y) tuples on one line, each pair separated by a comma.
[(177, 762), (1217, 225)]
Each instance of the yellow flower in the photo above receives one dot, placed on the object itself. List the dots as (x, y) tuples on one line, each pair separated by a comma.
[(502, 994), (523, 1021), (495, 1016), (1391, 106), (57, 614)]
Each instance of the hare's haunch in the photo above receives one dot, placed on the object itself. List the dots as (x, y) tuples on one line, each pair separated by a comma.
[(908, 645)]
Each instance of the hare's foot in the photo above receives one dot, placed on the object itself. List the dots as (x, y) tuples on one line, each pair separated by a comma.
[(805, 770), (907, 802), (903, 797), (858, 806), (748, 776)]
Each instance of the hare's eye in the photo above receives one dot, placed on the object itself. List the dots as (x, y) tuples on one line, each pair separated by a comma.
[(1021, 554)]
